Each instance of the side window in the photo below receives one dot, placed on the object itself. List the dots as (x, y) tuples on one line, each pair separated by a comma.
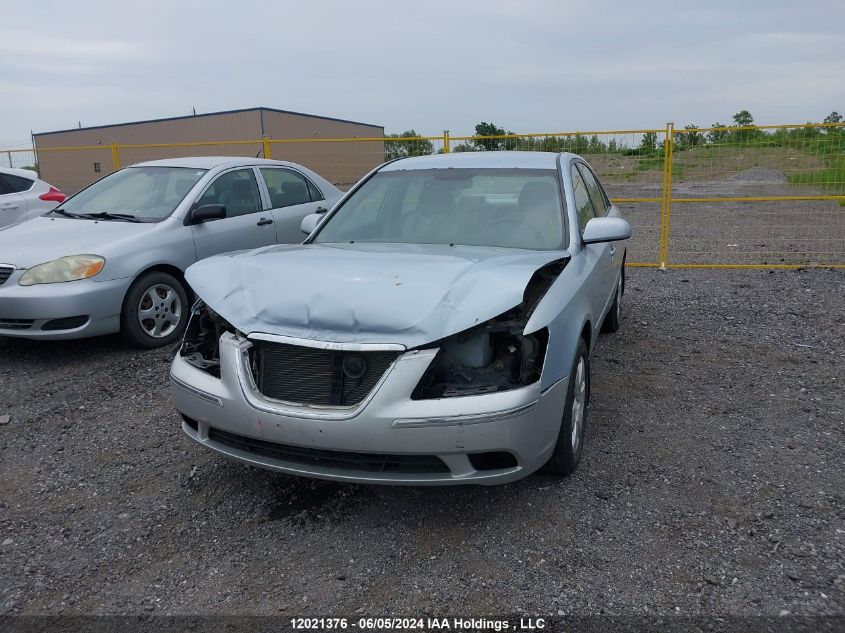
[(583, 206), (594, 189), (286, 187), (316, 194), (15, 184), (236, 190)]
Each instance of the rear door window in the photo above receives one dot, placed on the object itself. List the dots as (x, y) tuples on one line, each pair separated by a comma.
[(286, 188), (15, 184)]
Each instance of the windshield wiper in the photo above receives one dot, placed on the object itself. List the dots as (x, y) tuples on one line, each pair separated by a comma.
[(67, 214), (105, 215)]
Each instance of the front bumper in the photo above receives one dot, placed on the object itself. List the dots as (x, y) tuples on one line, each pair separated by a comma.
[(26, 310), (523, 422)]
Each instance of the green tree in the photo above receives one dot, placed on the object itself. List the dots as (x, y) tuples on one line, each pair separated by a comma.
[(691, 137), (492, 144), (595, 146), (400, 148), (718, 134), (833, 117), (743, 118), (648, 143)]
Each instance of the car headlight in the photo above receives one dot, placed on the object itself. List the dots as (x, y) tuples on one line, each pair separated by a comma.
[(63, 269), (201, 342)]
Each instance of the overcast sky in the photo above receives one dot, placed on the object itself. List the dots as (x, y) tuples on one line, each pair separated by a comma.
[(528, 65)]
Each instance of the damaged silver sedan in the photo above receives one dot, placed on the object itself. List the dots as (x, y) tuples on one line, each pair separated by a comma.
[(434, 328)]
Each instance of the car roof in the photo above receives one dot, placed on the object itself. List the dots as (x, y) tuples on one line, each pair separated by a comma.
[(210, 162), (23, 173), (480, 160)]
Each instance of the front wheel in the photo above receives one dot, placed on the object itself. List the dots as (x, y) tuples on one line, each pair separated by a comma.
[(570, 442), (155, 311)]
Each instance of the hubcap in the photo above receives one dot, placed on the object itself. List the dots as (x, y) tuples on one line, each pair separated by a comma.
[(579, 401), (159, 310)]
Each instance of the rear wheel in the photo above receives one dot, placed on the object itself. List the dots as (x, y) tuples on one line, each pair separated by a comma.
[(570, 441), (155, 311)]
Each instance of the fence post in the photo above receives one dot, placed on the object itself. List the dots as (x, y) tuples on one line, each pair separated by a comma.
[(446, 148), (115, 156), (266, 141), (666, 201)]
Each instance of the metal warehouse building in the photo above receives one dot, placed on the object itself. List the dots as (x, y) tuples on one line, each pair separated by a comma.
[(92, 152)]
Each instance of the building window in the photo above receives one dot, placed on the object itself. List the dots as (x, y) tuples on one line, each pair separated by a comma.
[(96, 168)]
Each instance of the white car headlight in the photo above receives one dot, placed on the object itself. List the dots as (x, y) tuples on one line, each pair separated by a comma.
[(68, 268)]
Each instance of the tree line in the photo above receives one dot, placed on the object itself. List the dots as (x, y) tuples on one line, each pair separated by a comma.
[(495, 138)]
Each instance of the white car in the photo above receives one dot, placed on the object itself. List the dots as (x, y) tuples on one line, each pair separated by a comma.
[(23, 195)]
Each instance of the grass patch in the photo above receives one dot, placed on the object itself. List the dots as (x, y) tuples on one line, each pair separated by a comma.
[(832, 176)]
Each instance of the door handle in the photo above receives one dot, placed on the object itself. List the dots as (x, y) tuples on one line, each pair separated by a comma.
[(8, 205), (264, 221), (320, 210)]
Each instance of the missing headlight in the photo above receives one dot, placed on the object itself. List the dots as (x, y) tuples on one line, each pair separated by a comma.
[(493, 357), (496, 355), (201, 343)]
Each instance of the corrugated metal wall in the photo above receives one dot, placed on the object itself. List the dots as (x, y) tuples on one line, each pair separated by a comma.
[(342, 163)]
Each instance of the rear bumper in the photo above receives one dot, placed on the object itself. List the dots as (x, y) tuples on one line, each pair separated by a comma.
[(523, 423), (26, 310)]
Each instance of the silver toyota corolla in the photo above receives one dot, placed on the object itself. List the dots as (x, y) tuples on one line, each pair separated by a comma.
[(434, 328), (112, 257)]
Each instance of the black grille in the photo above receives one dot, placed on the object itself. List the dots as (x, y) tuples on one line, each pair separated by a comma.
[(15, 324), (308, 375), (5, 273), (340, 460)]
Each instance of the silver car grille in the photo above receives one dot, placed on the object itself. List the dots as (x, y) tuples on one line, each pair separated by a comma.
[(5, 273), (307, 375)]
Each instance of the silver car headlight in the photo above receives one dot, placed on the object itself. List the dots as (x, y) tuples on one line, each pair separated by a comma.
[(68, 268)]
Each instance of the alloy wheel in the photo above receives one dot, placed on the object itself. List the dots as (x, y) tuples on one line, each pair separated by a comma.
[(159, 311)]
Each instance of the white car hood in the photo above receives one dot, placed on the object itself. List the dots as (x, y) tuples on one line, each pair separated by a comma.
[(365, 293)]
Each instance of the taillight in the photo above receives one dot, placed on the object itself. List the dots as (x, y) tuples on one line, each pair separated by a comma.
[(54, 195)]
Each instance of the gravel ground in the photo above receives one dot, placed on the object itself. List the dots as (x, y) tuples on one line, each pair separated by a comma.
[(712, 483)]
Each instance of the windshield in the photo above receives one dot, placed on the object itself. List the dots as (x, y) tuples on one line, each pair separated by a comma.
[(146, 193), (513, 208)]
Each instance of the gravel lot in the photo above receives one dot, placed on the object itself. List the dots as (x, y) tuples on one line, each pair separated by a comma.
[(712, 483)]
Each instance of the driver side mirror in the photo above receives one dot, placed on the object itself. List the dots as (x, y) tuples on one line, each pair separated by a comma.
[(600, 230), (310, 222), (208, 212)]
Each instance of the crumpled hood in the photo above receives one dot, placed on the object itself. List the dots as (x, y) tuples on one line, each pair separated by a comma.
[(365, 293), (45, 238)]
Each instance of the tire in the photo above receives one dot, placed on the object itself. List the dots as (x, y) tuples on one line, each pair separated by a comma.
[(155, 311), (567, 453), (614, 316)]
